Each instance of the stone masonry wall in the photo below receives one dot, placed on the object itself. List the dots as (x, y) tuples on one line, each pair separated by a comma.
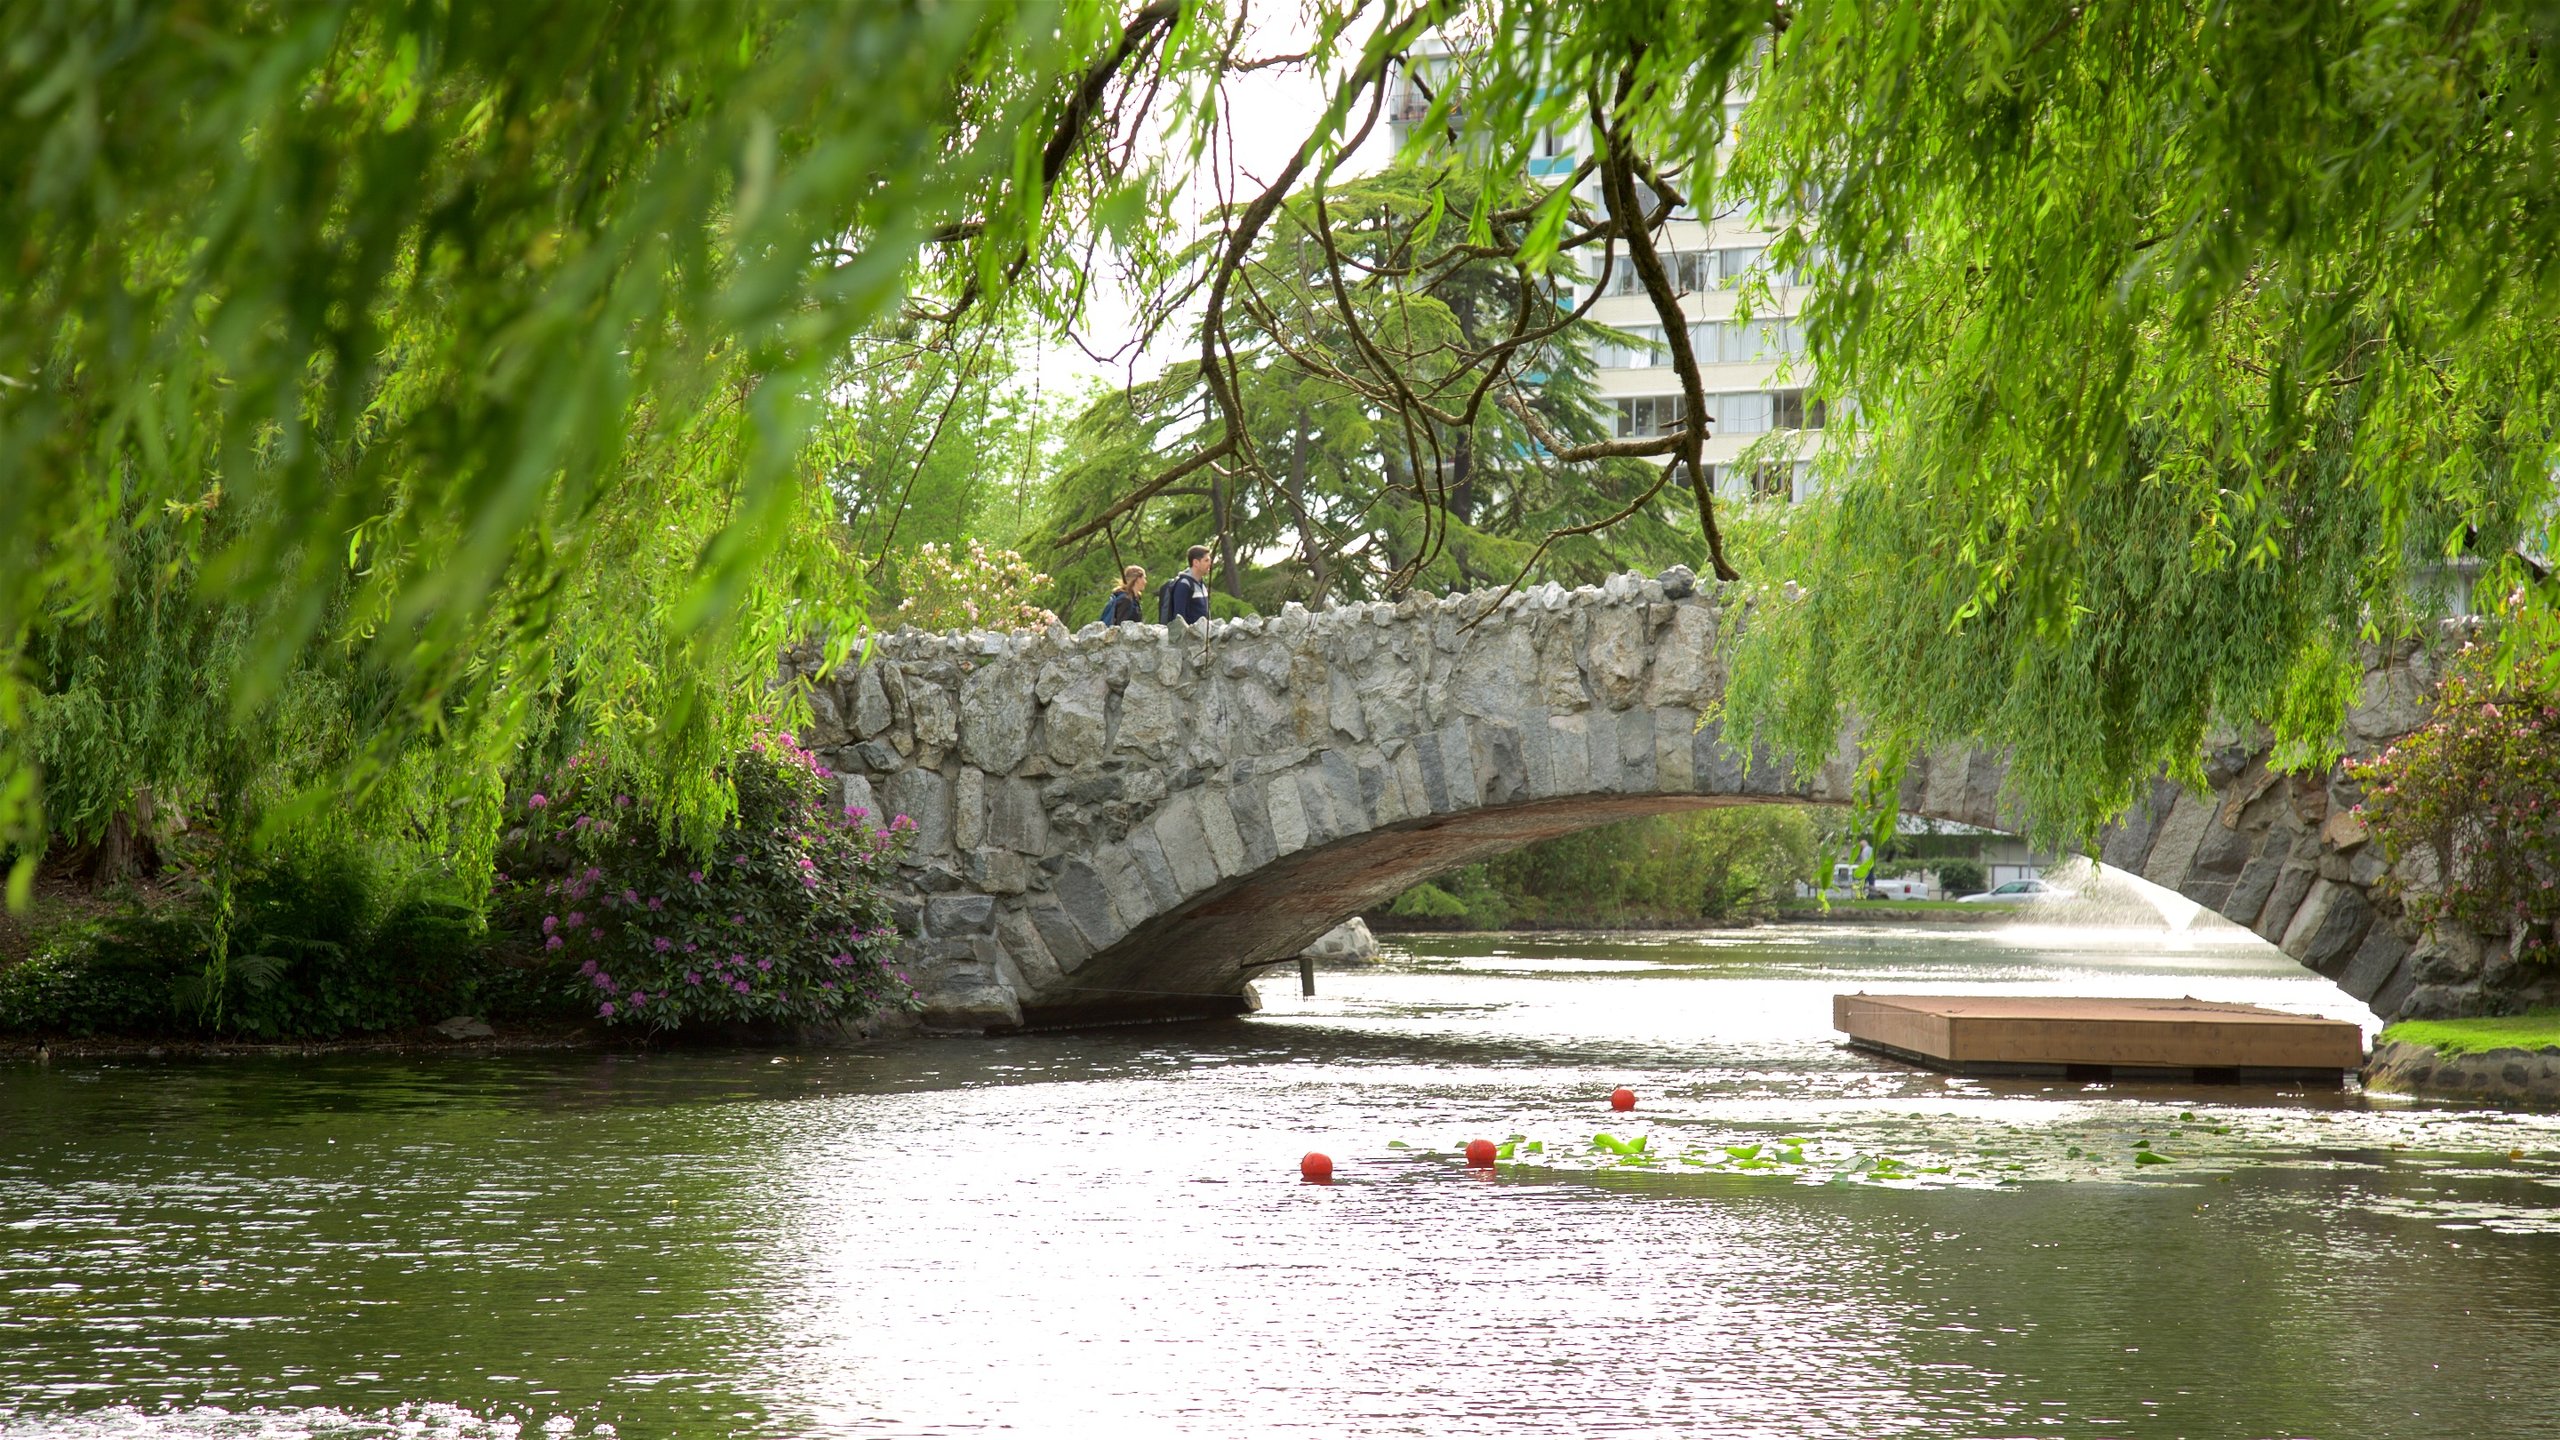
[(1129, 823)]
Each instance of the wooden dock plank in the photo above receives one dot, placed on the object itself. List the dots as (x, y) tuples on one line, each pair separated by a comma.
[(2020, 1032)]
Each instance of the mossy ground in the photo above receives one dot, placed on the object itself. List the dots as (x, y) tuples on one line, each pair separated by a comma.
[(2535, 1031)]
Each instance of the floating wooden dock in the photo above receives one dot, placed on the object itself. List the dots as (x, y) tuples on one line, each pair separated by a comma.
[(2100, 1039)]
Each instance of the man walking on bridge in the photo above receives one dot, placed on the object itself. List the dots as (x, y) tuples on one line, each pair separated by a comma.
[(1186, 596)]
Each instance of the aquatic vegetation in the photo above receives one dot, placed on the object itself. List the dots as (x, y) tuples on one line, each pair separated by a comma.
[(1843, 1160)]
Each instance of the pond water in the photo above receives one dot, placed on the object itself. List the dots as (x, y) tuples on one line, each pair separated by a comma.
[(1105, 1232)]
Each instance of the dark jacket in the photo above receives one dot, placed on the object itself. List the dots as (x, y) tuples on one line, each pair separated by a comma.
[(1121, 608), (1184, 597)]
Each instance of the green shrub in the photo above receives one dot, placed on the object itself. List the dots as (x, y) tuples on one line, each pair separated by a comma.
[(309, 944), (1961, 877), (1427, 901), (1712, 864), (2475, 794), (786, 921)]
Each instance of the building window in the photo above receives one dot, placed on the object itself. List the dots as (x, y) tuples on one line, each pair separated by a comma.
[(1696, 271), (1644, 353), (1743, 414), (1640, 416), (1791, 411)]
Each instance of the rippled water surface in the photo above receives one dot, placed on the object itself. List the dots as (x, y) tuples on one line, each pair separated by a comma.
[(1105, 1232)]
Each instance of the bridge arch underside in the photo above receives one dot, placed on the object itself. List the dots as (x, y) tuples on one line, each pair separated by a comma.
[(1195, 958)]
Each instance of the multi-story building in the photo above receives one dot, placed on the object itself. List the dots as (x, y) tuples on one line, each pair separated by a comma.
[(1754, 370)]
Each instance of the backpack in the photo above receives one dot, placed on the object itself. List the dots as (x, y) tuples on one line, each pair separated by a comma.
[(1164, 600), (1111, 608)]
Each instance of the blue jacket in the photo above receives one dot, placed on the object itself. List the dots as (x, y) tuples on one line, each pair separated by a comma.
[(1184, 597)]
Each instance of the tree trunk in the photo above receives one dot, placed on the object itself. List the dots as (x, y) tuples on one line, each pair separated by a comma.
[(1317, 568), (1226, 533)]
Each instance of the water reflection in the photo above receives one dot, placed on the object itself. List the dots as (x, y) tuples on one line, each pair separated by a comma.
[(1071, 1233)]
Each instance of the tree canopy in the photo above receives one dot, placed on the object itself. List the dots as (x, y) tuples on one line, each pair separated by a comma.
[(394, 391), (2185, 340)]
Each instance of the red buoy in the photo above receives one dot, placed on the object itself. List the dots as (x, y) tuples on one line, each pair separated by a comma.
[(1317, 1166), (1622, 1098), (1480, 1152)]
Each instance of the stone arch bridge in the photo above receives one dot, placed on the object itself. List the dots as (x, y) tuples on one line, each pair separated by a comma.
[(1129, 823)]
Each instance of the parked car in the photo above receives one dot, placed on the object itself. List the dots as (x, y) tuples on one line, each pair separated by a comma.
[(2017, 892), (1897, 890)]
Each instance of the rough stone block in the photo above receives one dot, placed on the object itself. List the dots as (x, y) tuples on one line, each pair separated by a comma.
[(1496, 766), (2257, 880), (1218, 827), (1717, 768), (1150, 719), (997, 871), (1185, 843), (1350, 803), (2292, 883), (1087, 901), (2173, 849), (1325, 823), (1252, 818), (1015, 819), (1343, 702), (1380, 794), (1568, 757), (2127, 845), (1635, 773), (948, 915), (826, 720), (924, 797), (969, 809), (1133, 898), (1034, 968), (1674, 731), (1618, 654), (937, 725), (856, 793), (1064, 938), (1434, 773), (979, 1008), (1288, 813), (1459, 765), (2374, 962), (2328, 927), (1164, 889), (1684, 672), (870, 703), (1075, 722)]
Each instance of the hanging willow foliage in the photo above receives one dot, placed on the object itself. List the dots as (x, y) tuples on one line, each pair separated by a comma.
[(467, 348), (2186, 340)]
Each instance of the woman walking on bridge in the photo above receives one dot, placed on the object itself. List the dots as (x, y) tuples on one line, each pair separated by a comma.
[(1124, 604)]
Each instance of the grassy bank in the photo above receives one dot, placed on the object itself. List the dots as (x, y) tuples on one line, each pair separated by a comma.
[(2539, 1030), (1887, 909)]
